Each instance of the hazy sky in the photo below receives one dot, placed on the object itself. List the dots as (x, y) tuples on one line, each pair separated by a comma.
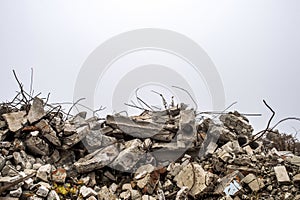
[(254, 45)]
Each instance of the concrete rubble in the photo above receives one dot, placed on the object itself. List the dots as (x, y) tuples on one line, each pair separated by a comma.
[(166, 154)]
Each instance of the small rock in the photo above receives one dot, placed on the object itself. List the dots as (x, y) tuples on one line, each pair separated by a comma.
[(113, 187), (44, 172), (87, 192), (16, 193), (125, 195), (59, 175), (143, 171), (135, 195), (105, 194), (53, 195), (28, 183), (42, 191), (126, 186)]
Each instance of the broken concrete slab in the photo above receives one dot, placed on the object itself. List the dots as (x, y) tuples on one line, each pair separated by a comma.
[(15, 120), (281, 174), (95, 140), (75, 138), (97, 159), (36, 111), (129, 157), (48, 132)]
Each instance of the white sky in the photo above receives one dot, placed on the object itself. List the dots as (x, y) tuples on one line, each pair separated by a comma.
[(254, 45)]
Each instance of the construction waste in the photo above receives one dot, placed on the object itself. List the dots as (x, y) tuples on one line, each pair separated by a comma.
[(167, 154)]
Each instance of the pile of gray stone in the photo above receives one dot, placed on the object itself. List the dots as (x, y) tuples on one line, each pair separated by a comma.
[(165, 154)]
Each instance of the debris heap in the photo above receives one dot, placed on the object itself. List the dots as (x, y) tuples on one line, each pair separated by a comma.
[(169, 154)]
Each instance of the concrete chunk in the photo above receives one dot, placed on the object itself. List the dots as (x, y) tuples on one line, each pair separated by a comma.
[(97, 159), (36, 111), (15, 120), (281, 174), (194, 177)]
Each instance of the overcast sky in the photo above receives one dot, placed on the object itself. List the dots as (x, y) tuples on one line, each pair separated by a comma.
[(254, 46)]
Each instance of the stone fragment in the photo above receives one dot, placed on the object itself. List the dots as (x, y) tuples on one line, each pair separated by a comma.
[(253, 182), (236, 122), (48, 132), (87, 192), (15, 120), (126, 186), (28, 183), (54, 157), (16, 193), (53, 195), (143, 171), (73, 139), (79, 119), (106, 194), (44, 172), (113, 187), (36, 111), (281, 174), (135, 195), (69, 129), (95, 140), (194, 177), (125, 195), (209, 144), (227, 152), (97, 159), (42, 191), (59, 175), (147, 178), (37, 146), (129, 157), (295, 160)]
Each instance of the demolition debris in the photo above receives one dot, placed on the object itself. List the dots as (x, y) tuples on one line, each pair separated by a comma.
[(169, 154)]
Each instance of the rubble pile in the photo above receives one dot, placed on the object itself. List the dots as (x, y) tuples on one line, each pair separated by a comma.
[(168, 154)]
